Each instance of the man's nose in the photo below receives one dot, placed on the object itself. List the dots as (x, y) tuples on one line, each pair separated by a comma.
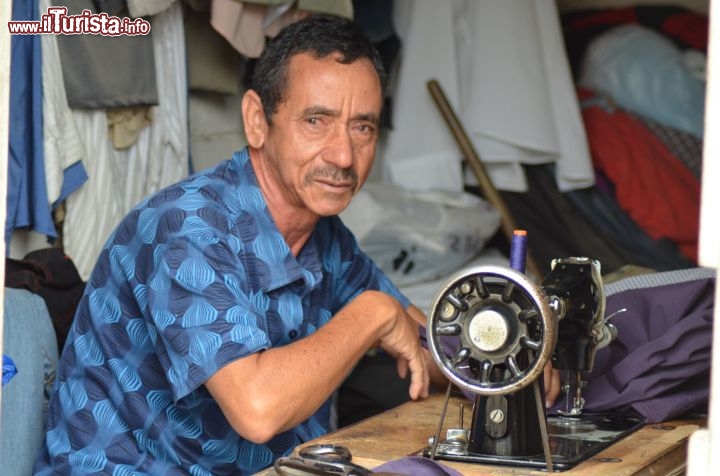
[(341, 148)]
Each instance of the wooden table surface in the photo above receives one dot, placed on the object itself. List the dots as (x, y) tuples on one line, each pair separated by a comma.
[(659, 449)]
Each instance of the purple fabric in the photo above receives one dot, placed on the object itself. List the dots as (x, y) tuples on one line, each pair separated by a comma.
[(417, 466), (659, 365)]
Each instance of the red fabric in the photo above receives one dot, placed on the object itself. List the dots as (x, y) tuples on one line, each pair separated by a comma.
[(617, 16), (689, 28), (652, 185)]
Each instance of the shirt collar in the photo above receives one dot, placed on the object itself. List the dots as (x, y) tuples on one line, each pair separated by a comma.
[(306, 267)]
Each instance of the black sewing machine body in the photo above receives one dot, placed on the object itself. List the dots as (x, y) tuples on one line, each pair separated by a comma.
[(492, 331)]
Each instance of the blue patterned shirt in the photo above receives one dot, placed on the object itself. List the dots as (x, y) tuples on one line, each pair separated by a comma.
[(192, 279)]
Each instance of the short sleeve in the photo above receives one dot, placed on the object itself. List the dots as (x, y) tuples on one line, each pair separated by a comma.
[(204, 315)]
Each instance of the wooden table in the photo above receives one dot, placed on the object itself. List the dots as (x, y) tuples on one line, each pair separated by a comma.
[(403, 431)]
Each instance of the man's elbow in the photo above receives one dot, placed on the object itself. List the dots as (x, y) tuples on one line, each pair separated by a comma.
[(257, 423), (258, 434)]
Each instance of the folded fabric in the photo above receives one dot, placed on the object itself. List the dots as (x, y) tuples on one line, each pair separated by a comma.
[(106, 71), (650, 183), (126, 123), (659, 364), (416, 466)]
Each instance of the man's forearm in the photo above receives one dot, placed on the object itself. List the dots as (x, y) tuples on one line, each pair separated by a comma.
[(274, 390)]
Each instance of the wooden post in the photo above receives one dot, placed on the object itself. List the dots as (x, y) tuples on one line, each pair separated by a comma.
[(703, 455)]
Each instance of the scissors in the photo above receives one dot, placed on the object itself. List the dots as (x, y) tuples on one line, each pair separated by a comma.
[(322, 459)]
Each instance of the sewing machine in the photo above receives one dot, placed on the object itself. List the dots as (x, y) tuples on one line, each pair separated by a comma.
[(492, 331)]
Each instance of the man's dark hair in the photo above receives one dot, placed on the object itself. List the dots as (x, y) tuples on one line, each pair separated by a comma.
[(318, 35)]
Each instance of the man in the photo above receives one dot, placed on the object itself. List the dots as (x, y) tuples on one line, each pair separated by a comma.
[(225, 310)]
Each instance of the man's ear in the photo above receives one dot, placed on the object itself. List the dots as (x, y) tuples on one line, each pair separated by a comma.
[(254, 120)]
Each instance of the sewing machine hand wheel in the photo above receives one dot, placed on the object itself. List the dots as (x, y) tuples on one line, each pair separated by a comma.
[(499, 326)]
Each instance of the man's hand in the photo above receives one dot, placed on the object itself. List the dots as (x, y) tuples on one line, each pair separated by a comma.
[(552, 385), (401, 339)]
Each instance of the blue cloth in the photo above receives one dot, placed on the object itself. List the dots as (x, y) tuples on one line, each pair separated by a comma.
[(29, 337), (73, 177), (8, 369), (192, 279), (27, 200)]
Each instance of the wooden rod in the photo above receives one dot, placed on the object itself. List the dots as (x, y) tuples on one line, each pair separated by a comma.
[(486, 186)]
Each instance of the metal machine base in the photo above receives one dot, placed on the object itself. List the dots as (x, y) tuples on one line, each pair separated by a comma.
[(573, 439)]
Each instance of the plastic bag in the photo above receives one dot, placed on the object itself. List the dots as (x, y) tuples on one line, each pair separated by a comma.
[(419, 236)]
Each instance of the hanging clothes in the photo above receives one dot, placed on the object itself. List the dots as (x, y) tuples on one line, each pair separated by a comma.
[(106, 71), (503, 68), (146, 8), (119, 179), (420, 153), (246, 24), (27, 199), (63, 147)]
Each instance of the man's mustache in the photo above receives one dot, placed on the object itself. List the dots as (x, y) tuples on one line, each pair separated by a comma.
[(335, 174)]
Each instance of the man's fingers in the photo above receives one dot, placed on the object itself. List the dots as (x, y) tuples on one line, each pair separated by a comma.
[(552, 385), (402, 367), (419, 377)]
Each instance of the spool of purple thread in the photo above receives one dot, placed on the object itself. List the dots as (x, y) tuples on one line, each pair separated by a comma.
[(518, 250)]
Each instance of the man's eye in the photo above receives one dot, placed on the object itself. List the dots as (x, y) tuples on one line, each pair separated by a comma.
[(313, 121), (364, 128)]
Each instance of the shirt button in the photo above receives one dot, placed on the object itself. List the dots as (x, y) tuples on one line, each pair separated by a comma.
[(293, 334)]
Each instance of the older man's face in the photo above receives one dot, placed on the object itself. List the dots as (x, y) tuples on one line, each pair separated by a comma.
[(321, 144)]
